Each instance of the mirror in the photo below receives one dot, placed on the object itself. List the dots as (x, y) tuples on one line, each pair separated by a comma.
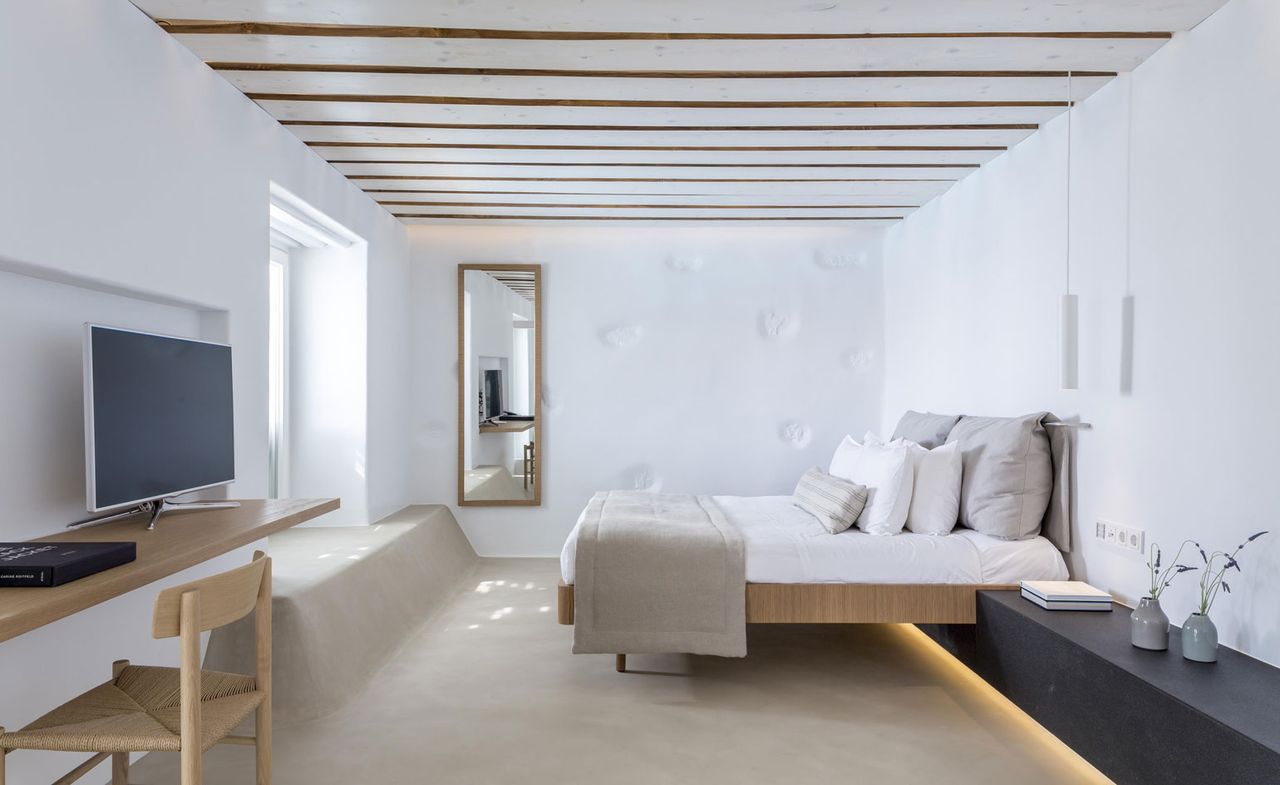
[(499, 376)]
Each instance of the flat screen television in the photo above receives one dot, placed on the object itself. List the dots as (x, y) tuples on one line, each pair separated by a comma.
[(492, 394), (158, 416)]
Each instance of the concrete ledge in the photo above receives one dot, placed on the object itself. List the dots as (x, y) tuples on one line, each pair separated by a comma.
[(346, 599)]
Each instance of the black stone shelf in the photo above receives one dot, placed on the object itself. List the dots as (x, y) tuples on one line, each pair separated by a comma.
[(1138, 716)]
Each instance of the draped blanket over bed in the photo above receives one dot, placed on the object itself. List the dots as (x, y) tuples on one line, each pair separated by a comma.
[(659, 573)]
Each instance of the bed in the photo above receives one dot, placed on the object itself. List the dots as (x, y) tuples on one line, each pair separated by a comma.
[(662, 573), (798, 573)]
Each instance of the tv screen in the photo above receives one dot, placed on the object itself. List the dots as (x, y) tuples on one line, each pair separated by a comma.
[(158, 416), (492, 394)]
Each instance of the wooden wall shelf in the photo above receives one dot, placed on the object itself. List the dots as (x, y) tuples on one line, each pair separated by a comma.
[(180, 540), (508, 426)]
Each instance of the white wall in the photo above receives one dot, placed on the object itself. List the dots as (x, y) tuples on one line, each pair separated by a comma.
[(972, 282), (139, 178), (657, 375)]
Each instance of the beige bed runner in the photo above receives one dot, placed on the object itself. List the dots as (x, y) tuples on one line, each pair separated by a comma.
[(656, 574)]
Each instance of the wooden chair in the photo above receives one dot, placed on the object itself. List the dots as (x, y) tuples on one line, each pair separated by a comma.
[(184, 709)]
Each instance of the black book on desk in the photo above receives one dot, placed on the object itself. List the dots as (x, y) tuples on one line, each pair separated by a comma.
[(56, 563)]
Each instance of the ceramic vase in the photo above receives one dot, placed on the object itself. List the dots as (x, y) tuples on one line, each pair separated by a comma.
[(1149, 626), (1199, 639)]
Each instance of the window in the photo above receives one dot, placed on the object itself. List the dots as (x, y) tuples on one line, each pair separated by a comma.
[(277, 375)]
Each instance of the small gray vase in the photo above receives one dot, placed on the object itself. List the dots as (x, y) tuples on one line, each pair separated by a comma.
[(1149, 626), (1199, 639)]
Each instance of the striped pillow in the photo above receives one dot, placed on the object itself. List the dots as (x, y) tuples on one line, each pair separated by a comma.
[(835, 502)]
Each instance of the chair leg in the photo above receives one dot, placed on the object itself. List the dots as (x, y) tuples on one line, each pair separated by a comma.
[(619, 665), (119, 768), (3, 752), (262, 742)]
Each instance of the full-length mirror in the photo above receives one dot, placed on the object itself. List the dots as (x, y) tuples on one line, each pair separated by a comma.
[(499, 376)]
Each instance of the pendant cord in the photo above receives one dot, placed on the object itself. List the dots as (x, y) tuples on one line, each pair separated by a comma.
[(1070, 105)]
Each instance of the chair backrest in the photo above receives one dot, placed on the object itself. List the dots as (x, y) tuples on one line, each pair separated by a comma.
[(224, 598)]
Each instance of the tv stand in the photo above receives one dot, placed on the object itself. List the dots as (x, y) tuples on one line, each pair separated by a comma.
[(155, 510)]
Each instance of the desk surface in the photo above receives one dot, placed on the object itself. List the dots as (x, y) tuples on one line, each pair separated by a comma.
[(180, 540)]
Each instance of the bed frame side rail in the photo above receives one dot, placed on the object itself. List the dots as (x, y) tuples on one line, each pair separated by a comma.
[(847, 603)]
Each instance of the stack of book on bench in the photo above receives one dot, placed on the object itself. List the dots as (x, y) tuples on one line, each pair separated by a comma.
[(1066, 596)]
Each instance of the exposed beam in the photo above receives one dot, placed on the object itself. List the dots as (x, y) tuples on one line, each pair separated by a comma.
[(218, 27), (484, 217), (455, 192), (661, 206), (671, 164), (661, 128), (473, 100), (664, 148), (656, 179), (431, 70)]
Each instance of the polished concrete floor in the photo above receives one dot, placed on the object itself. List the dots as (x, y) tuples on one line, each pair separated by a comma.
[(488, 692)]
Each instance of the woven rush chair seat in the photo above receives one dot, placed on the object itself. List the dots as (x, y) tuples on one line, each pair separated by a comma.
[(139, 712)]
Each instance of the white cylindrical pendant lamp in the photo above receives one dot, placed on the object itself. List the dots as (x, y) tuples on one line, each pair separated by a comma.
[(1069, 349)]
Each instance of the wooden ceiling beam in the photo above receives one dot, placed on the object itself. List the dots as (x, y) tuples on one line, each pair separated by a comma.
[(465, 192), (655, 179), (918, 148), (660, 128), (472, 100), (672, 164), (488, 217), (353, 68), (590, 206), (219, 27)]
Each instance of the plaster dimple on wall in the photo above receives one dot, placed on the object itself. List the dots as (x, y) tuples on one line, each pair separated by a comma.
[(842, 260), (795, 433), (777, 325), (642, 477), (551, 403), (858, 359), (622, 336), (434, 429), (685, 263)]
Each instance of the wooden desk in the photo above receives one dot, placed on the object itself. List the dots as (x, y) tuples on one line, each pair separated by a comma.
[(508, 426), (180, 540)]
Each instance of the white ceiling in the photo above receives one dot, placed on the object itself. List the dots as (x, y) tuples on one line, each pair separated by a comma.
[(718, 110)]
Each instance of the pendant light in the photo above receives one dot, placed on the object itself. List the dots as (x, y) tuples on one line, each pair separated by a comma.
[(1069, 307)]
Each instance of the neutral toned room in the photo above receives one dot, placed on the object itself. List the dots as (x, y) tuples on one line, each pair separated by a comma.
[(600, 392)]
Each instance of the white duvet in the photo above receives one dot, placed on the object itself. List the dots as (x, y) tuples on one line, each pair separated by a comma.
[(785, 544)]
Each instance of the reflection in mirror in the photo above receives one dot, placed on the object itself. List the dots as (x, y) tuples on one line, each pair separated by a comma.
[(499, 362)]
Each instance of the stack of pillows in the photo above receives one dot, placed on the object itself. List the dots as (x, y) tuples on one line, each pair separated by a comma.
[(991, 474)]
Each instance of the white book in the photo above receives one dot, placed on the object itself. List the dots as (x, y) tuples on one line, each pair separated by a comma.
[(1065, 591), (1063, 605)]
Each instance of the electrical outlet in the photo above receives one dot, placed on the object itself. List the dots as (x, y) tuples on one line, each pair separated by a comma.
[(1130, 538)]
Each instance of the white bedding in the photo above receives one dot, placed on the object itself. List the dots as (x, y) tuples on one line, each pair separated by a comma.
[(787, 545)]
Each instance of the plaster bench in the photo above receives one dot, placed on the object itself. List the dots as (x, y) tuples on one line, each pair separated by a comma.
[(344, 600)]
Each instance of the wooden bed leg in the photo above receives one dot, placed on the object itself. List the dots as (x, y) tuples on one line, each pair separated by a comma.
[(620, 663)]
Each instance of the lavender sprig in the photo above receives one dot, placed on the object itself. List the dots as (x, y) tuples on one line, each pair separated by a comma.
[(1212, 579), (1160, 579)]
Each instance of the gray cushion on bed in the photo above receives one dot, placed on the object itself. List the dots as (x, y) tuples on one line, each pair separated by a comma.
[(925, 429), (1008, 474), (834, 501)]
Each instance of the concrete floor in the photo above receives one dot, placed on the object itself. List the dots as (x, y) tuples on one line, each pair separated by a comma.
[(488, 692)]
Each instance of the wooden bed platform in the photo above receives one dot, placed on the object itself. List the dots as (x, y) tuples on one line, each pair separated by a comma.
[(847, 603), (842, 603)]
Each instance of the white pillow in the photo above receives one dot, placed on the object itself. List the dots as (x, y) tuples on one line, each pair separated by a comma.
[(935, 494), (887, 472)]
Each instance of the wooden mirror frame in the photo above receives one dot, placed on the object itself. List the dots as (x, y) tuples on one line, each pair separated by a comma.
[(539, 423)]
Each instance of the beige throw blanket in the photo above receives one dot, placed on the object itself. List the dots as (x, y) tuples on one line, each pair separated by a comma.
[(659, 574)]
